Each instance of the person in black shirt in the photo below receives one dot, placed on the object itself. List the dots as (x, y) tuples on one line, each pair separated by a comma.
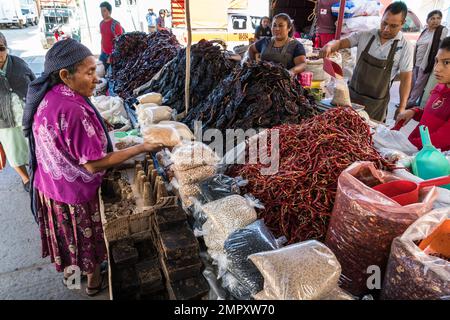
[(263, 30)]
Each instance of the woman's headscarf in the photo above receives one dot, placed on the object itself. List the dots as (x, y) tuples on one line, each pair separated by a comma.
[(63, 54)]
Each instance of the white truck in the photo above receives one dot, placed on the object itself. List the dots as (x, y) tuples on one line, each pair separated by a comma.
[(30, 11), (19, 13)]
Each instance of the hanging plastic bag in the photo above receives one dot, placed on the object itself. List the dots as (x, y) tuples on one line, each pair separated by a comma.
[(412, 274), (302, 271), (364, 223)]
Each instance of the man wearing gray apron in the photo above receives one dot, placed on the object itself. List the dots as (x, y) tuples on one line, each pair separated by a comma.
[(382, 55)]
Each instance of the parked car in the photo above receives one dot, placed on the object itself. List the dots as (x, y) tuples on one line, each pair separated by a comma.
[(31, 17)]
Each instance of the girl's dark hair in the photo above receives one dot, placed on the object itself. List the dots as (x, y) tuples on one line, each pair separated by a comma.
[(445, 44), (289, 21), (56, 79), (262, 19), (434, 12)]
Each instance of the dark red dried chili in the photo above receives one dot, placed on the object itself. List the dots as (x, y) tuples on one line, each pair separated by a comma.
[(299, 198)]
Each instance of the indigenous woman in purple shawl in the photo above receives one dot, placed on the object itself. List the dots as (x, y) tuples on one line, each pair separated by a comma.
[(70, 152)]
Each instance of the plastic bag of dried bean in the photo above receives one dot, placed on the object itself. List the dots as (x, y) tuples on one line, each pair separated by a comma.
[(195, 175), (364, 223), (301, 271), (254, 238), (188, 192), (414, 274), (192, 155), (220, 186), (225, 216)]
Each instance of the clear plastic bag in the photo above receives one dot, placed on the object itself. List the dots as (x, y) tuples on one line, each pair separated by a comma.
[(100, 69), (412, 274), (183, 130), (236, 288), (220, 186), (225, 216), (302, 271), (151, 97), (385, 138), (188, 192), (195, 175), (191, 155), (341, 94), (150, 114), (242, 243), (338, 294), (111, 108), (162, 134), (364, 223)]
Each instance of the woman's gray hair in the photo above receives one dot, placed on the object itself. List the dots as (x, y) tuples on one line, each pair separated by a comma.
[(3, 39)]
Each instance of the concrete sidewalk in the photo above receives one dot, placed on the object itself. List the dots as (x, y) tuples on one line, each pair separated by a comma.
[(23, 273)]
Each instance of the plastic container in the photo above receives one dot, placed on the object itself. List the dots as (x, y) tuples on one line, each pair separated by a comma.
[(430, 163), (407, 192)]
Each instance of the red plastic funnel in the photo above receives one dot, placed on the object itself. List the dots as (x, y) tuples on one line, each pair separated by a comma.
[(407, 192), (332, 68)]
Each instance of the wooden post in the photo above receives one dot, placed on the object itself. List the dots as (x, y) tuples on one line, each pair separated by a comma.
[(188, 56), (340, 20)]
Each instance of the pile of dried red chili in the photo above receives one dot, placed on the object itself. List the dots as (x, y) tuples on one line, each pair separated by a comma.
[(299, 199)]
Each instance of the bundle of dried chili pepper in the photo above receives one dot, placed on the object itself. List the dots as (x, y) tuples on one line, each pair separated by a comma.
[(299, 198), (256, 95), (209, 66), (138, 56)]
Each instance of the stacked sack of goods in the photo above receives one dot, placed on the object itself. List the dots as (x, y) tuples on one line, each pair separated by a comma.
[(190, 163), (155, 122), (360, 15)]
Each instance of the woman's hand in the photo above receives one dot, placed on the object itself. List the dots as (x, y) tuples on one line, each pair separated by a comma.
[(151, 147), (405, 116)]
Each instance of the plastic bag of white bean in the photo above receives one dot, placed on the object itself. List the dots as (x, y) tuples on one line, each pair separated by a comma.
[(302, 271), (225, 216), (239, 245), (195, 175), (188, 192), (192, 155)]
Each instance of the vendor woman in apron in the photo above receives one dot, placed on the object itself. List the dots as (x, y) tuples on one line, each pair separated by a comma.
[(382, 54), (281, 48)]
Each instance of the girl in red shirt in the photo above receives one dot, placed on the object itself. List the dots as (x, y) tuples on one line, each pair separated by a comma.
[(436, 115)]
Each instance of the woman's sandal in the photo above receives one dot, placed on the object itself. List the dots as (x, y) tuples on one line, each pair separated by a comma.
[(91, 292)]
